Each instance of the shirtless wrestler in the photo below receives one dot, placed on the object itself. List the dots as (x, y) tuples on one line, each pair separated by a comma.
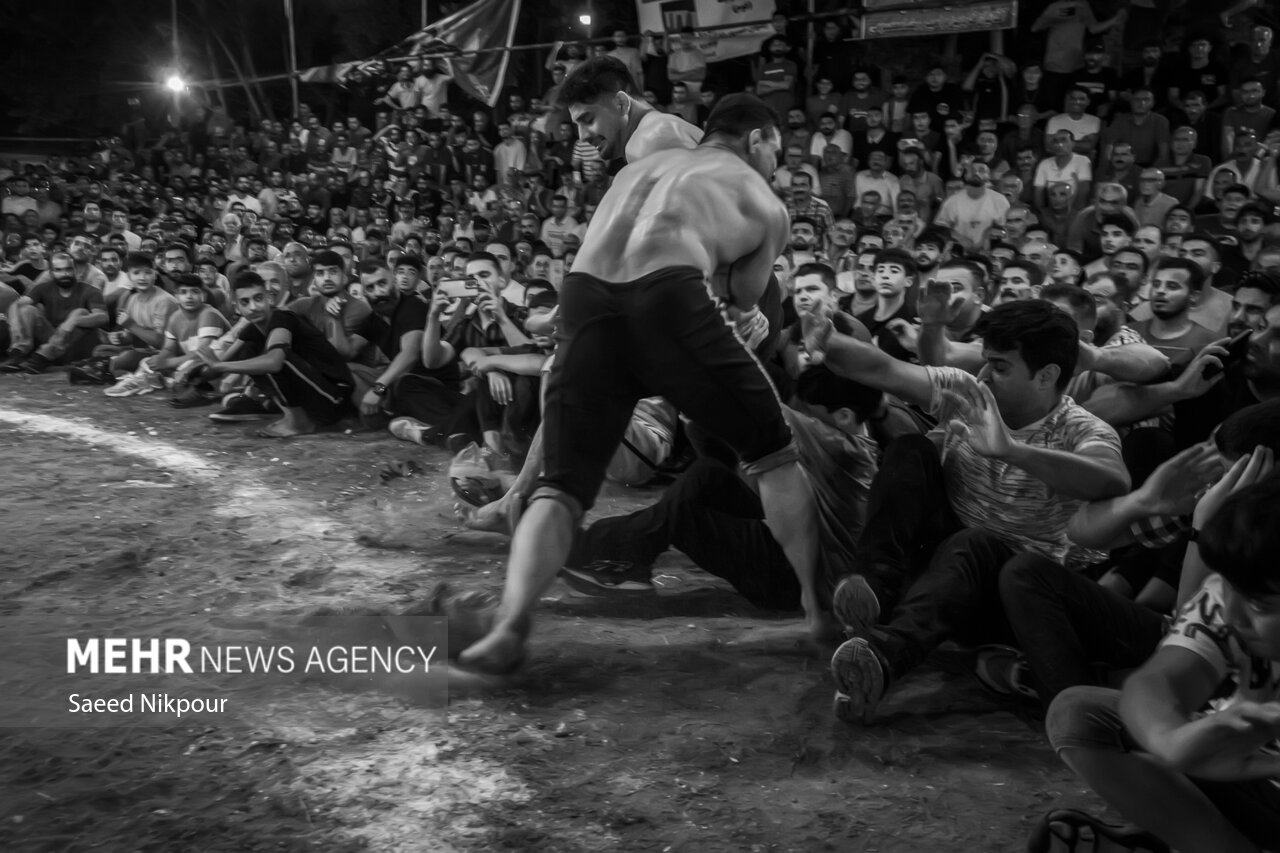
[(638, 319)]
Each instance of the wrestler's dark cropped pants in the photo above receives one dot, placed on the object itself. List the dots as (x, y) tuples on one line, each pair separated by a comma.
[(660, 335)]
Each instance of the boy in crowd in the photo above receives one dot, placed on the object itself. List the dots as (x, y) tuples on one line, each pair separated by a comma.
[(289, 360), (142, 314)]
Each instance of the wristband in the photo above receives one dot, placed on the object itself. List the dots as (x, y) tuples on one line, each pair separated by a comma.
[(379, 389)]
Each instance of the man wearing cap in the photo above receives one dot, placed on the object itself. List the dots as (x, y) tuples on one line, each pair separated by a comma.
[(1153, 204), (1097, 80), (1200, 74)]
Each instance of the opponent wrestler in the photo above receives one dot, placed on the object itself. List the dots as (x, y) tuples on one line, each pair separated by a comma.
[(638, 319), (600, 100)]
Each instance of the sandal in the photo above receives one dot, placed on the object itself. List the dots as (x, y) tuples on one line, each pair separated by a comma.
[(1064, 825), (1003, 670)]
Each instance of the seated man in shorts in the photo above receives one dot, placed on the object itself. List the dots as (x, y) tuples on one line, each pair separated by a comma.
[(638, 318)]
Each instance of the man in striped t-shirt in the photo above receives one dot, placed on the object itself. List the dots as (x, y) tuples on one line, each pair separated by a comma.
[(1013, 459)]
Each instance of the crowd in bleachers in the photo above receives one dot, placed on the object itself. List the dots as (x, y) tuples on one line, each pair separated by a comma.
[(1091, 231)]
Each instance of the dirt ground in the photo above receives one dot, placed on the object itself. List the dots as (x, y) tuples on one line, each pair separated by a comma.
[(693, 723)]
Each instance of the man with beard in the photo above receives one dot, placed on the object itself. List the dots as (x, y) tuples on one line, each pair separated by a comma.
[(82, 248), (876, 178), (932, 246), (804, 235), (970, 213), (1251, 220), (1175, 287), (840, 245), (332, 310), (111, 262), (395, 327), (1212, 306), (54, 322), (913, 178)]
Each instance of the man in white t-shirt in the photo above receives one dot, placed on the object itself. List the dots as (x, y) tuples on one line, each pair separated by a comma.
[(1012, 462), (1085, 128), (1063, 165), (971, 212)]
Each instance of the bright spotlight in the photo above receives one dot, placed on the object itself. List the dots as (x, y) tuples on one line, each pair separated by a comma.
[(175, 84), (585, 20)]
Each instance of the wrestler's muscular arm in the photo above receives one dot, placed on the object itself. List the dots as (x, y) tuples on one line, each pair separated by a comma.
[(747, 276)]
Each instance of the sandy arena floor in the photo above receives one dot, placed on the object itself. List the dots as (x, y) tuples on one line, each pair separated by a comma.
[(693, 723)]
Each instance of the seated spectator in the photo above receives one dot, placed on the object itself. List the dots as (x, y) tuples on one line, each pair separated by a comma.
[(193, 326), (332, 310), (1018, 458), (289, 361), (142, 315), (1222, 653), (55, 322)]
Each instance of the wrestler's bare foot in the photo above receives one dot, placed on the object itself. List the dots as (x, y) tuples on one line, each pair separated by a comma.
[(286, 428), (823, 627), (499, 652)]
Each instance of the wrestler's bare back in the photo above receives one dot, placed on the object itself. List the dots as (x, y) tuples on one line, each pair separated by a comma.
[(703, 207)]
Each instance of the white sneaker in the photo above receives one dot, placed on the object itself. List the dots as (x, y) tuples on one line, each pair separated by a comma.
[(134, 383), (409, 429)]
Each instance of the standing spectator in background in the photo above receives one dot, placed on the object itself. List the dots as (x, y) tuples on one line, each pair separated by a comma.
[(400, 95), (686, 63), (970, 213), (432, 85), (830, 58), (1151, 73), (937, 97), (1067, 23), (557, 226), (988, 86), (1251, 116), (1260, 63), (804, 203), (860, 101), (628, 56), (1096, 79), (1186, 172), (682, 105), (824, 101), (1147, 131), (1201, 74), (776, 76), (836, 180), (1085, 127), (510, 156)]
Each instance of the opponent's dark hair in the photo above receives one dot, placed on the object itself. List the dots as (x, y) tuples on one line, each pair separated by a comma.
[(1041, 333), (818, 386), (738, 114), (1079, 301)]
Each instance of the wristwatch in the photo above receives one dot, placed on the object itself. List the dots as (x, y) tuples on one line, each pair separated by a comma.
[(379, 389)]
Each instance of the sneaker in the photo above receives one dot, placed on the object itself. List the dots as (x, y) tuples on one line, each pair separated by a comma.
[(13, 364), (409, 429), (239, 407), (35, 363), (192, 397), (84, 374), (610, 579), (132, 384), (860, 679), (855, 605)]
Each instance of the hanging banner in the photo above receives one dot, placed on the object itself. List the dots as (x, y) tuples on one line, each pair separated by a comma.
[(672, 16), (898, 18), (482, 26)]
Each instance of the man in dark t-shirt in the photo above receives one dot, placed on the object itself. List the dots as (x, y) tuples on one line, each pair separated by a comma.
[(289, 360), (55, 321)]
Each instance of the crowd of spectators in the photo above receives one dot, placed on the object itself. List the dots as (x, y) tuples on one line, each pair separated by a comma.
[(1091, 233)]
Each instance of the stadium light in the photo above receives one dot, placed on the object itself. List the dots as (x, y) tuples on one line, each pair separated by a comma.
[(175, 84), (585, 20)]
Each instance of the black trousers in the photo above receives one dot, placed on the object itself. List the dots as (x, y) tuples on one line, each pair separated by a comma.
[(299, 385), (711, 515)]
